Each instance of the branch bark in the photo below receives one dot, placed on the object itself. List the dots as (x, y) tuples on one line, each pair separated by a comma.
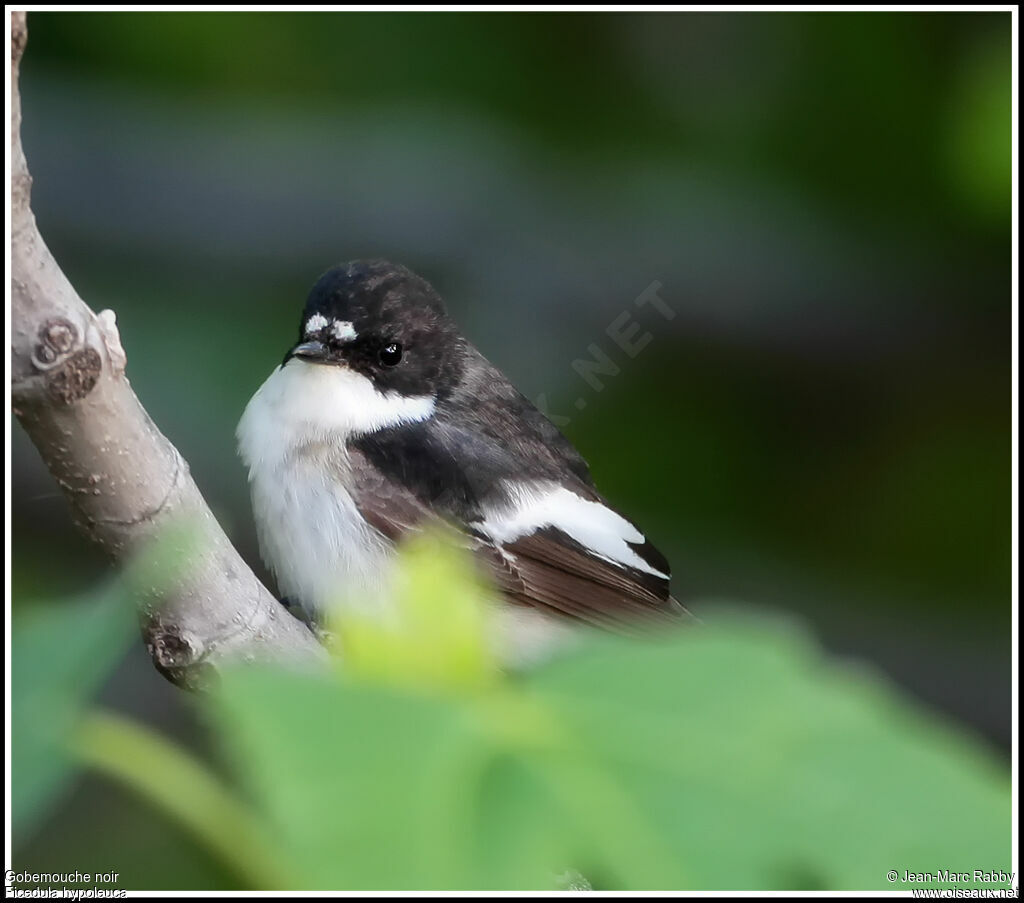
[(125, 481)]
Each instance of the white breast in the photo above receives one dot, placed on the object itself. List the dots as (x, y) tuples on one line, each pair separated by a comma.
[(292, 438)]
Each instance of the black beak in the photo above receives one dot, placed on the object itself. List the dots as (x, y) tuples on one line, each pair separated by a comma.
[(310, 350)]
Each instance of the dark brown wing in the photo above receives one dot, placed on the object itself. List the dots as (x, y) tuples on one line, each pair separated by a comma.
[(386, 505), (551, 571), (547, 569)]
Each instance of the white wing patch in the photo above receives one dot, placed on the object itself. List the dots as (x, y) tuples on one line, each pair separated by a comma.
[(595, 527)]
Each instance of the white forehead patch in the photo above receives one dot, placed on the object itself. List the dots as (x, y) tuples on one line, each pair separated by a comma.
[(315, 323), (343, 330)]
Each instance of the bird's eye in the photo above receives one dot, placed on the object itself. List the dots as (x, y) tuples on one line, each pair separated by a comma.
[(391, 354)]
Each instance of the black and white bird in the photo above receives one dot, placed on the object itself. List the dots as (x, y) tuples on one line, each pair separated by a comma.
[(383, 419)]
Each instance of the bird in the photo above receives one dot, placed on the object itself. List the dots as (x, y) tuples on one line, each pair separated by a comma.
[(383, 420)]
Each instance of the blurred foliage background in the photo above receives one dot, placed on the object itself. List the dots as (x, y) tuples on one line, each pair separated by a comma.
[(823, 428)]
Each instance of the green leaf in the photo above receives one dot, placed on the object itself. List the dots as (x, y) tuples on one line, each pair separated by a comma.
[(732, 756), (760, 766), (367, 786), (979, 141), (184, 788), (435, 632), (519, 838), (60, 654), (363, 786)]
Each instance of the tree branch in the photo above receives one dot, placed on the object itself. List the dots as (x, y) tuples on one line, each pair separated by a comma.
[(123, 478)]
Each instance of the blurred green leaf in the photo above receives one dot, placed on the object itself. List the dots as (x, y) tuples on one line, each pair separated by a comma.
[(766, 768), (979, 144), (59, 656), (731, 757), (364, 787), (181, 786), (437, 631), (61, 653)]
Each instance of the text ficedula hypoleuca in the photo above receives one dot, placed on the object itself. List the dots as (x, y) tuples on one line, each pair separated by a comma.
[(383, 419)]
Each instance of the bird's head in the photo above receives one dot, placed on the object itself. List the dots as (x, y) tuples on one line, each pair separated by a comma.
[(382, 321)]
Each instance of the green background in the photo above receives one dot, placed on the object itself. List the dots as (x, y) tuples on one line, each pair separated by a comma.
[(822, 428)]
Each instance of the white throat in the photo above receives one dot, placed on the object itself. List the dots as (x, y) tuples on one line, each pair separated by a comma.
[(292, 438), (303, 402)]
